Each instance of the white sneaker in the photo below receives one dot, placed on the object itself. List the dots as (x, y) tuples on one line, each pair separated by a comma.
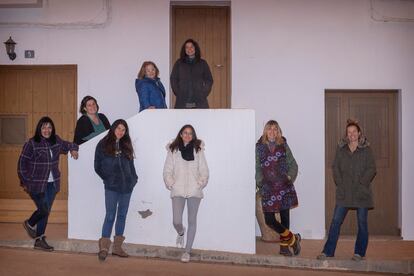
[(185, 258), (180, 239)]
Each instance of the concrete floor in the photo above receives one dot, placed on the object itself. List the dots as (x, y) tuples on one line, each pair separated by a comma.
[(380, 248), (31, 262), (64, 263)]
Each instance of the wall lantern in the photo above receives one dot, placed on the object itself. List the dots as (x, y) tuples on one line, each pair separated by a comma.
[(10, 48)]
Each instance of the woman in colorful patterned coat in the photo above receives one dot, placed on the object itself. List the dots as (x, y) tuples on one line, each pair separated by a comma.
[(276, 170)]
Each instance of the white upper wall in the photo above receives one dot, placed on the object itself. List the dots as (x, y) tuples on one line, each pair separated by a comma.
[(284, 55)]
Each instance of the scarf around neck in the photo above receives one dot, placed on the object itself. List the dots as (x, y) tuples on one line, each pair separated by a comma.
[(187, 152)]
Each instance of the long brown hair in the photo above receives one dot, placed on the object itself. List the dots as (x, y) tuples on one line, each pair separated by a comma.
[(178, 142), (141, 73), (269, 124), (125, 144)]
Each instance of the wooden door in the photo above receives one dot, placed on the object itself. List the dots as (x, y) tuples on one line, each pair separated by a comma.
[(210, 27), (376, 112), (28, 93)]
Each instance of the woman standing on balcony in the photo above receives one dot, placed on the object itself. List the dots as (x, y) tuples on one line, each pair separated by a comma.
[(39, 174), (91, 123), (191, 79), (151, 92), (185, 175), (276, 170), (353, 171), (114, 163)]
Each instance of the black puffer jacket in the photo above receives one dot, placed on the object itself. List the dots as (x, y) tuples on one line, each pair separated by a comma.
[(117, 172), (191, 82), (353, 173)]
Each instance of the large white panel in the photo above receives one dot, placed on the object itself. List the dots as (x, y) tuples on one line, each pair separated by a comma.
[(226, 218)]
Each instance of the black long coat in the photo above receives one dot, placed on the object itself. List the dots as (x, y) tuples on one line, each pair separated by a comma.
[(191, 82)]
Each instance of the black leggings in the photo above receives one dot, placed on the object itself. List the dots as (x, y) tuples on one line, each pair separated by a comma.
[(281, 226)]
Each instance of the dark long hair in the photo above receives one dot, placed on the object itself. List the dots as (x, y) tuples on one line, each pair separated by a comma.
[(125, 144), (178, 142), (183, 55), (38, 133), (83, 104)]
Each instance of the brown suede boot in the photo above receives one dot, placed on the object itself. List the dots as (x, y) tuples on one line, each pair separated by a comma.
[(117, 248), (104, 244)]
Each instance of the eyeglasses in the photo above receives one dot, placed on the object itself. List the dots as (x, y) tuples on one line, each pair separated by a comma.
[(187, 133)]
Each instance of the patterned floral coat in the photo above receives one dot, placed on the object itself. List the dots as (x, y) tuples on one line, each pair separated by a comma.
[(276, 170)]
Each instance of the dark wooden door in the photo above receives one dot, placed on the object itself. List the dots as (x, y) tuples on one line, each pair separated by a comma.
[(210, 27), (28, 93), (376, 112)]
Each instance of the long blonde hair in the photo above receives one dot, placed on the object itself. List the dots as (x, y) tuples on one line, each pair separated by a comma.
[(141, 73), (269, 124)]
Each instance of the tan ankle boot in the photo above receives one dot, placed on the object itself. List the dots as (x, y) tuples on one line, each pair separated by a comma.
[(117, 248), (104, 244)]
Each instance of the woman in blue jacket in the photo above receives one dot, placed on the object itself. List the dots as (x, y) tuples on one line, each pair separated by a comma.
[(114, 163), (151, 92)]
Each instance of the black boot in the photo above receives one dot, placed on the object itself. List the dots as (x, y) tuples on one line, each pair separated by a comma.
[(41, 244), (30, 230)]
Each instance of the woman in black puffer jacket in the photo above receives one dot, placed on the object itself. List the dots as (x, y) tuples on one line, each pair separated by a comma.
[(191, 79), (114, 163)]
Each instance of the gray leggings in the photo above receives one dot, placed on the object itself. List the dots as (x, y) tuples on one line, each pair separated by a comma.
[(178, 204)]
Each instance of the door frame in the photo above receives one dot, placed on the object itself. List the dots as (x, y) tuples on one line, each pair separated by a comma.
[(16, 210), (398, 139), (200, 4)]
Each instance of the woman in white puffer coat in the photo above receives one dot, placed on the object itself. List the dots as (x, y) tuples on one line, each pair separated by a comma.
[(185, 175)]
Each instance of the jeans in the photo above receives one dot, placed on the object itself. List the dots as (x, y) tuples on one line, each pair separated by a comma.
[(116, 204), (361, 242), (44, 202)]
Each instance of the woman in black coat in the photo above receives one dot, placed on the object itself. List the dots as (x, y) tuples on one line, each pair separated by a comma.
[(114, 163), (91, 123), (191, 79)]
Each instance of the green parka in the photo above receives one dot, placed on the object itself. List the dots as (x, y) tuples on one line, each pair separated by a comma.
[(353, 173)]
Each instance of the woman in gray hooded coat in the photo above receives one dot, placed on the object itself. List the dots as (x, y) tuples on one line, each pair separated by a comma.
[(353, 171)]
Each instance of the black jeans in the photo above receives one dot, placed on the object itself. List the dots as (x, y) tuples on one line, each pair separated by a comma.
[(44, 202), (281, 226)]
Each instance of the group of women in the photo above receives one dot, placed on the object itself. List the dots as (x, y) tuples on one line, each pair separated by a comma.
[(185, 175), (185, 170)]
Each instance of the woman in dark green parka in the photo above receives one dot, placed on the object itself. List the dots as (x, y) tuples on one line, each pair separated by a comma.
[(353, 171)]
